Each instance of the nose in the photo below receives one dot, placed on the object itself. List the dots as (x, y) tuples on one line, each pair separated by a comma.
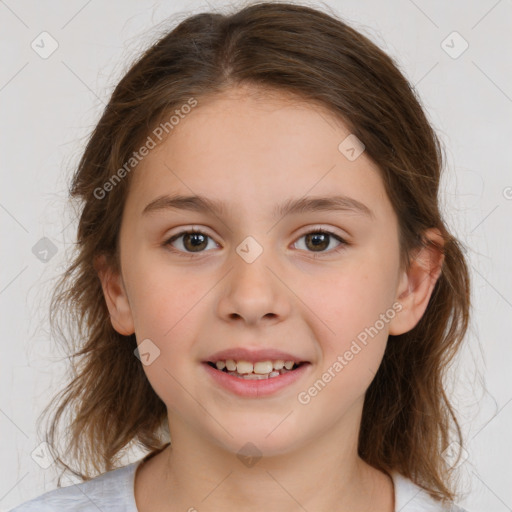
[(254, 292)]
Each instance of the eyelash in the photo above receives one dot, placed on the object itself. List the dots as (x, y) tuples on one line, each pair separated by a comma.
[(341, 247)]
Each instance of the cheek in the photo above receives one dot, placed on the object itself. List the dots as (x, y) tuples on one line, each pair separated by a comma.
[(353, 308), (164, 297), (357, 310), (167, 308), (356, 293), (168, 319)]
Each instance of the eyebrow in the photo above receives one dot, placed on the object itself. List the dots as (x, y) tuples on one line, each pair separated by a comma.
[(292, 206)]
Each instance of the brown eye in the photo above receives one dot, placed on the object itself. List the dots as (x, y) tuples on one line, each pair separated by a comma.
[(318, 241), (191, 241), (195, 241)]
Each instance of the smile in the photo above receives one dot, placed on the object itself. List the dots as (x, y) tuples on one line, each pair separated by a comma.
[(255, 380), (259, 370)]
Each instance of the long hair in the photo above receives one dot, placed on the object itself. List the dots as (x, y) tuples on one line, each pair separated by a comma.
[(407, 419)]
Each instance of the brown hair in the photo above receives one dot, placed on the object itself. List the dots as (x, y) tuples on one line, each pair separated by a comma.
[(407, 419)]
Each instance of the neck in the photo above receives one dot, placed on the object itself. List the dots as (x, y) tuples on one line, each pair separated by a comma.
[(325, 474)]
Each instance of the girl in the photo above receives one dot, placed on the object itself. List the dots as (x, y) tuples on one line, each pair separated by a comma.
[(265, 291)]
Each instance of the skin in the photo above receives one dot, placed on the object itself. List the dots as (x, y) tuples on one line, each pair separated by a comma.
[(253, 150)]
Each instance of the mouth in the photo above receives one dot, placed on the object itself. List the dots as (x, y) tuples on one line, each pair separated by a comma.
[(257, 373), (258, 370)]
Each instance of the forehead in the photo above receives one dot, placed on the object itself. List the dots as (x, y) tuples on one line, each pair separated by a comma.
[(250, 146)]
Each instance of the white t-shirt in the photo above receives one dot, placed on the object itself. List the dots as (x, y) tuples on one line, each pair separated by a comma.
[(114, 492)]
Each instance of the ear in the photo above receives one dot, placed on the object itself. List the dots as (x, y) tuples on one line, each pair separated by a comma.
[(115, 297), (417, 283)]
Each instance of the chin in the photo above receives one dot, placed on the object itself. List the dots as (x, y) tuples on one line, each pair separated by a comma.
[(253, 437)]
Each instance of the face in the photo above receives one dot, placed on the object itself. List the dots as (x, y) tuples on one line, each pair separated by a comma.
[(317, 286)]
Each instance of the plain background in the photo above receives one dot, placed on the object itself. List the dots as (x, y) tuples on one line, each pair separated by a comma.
[(49, 106)]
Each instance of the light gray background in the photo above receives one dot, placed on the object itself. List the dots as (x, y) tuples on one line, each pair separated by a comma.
[(49, 106)]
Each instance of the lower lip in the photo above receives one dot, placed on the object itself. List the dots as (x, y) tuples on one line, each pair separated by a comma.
[(256, 388)]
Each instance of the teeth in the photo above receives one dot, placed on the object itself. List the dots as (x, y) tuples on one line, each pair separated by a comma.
[(244, 367), (231, 365), (260, 369), (255, 376)]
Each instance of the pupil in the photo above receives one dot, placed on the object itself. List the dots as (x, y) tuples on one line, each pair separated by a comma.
[(319, 240), (192, 238)]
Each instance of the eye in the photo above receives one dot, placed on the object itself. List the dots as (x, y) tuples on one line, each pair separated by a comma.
[(320, 239), (193, 241)]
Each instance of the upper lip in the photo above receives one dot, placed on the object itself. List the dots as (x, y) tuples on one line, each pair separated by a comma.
[(253, 356)]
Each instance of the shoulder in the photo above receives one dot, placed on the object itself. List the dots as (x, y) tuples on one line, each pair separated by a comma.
[(111, 491), (409, 497)]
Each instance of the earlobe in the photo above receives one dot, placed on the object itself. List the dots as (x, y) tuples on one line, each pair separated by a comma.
[(418, 281), (116, 297)]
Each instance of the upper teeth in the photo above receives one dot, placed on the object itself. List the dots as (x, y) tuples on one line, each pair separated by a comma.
[(261, 367)]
